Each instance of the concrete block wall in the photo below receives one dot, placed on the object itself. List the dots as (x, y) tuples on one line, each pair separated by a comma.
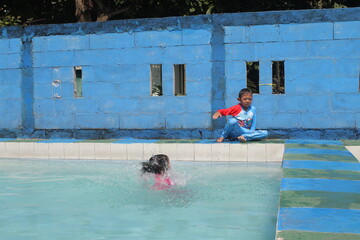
[(116, 80), (320, 49), (322, 63), (10, 82)]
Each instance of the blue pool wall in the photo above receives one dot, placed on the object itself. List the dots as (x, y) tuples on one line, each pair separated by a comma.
[(321, 50)]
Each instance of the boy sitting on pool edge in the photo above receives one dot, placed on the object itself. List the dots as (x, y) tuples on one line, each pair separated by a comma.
[(242, 125)]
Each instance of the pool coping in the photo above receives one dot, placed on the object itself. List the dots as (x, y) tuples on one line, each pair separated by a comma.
[(141, 149)]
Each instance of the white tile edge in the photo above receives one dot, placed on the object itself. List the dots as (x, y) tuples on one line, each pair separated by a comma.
[(277, 149)]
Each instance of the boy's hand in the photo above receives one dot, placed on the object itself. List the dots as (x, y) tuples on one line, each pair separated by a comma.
[(216, 115)]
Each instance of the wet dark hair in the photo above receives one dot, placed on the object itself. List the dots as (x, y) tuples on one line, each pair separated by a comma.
[(157, 164), (244, 91)]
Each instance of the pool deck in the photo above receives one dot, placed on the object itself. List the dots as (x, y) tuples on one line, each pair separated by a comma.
[(320, 192), (320, 188)]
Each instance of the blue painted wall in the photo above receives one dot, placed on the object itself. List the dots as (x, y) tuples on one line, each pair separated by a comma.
[(321, 50), (10, 83)]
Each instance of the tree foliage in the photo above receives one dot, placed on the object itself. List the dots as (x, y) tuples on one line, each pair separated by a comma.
[(25, 12), (28, 12)]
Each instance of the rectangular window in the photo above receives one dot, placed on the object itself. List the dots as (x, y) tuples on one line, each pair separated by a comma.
[(278, 77), (156, 79), (252, 76), (78, 82), (179, 79)]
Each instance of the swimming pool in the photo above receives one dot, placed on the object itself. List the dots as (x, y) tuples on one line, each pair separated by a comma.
[(109, 200)]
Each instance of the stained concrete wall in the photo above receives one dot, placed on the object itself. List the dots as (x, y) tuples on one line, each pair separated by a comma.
[(322, 63), (116, 88), (320, 49)]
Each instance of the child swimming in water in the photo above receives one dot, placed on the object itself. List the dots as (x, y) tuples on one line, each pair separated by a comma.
[(159, 165)]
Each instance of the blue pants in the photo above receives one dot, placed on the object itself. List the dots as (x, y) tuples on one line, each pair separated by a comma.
[(232, 131)]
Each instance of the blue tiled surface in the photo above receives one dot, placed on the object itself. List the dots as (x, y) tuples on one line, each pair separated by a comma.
[(321, 165), (320, 220), (327, 185), (317, 151), (304, 220), (327, 142)]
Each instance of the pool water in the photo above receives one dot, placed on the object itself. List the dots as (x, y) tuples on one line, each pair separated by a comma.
[(110, 200)]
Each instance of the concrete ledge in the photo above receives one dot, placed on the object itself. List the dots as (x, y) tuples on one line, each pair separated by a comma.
[(141, 150)]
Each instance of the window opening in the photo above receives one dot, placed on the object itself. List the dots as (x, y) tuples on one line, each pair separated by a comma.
[(252, 76), (278, 77), (179, 78), (78, 82), (156, 79)]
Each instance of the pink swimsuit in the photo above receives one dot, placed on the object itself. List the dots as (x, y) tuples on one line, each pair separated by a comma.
[(162, 182)]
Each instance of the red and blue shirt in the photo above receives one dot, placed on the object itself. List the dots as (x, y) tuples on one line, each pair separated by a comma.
[(245, 118)]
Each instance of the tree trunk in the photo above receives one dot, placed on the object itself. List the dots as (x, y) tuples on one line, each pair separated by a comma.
[(83, 10), (317, 4), (320, 4)]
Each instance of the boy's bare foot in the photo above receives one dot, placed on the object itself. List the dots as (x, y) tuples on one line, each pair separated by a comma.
[(242, 139), (220, 139)]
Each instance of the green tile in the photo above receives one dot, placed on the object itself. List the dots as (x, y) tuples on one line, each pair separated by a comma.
[(320, 173), (319, 157), (178, 141), (268, 141), (317, 199), (351, 142), (99, 141), (316, 146), (26, 140), (302, 235)]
